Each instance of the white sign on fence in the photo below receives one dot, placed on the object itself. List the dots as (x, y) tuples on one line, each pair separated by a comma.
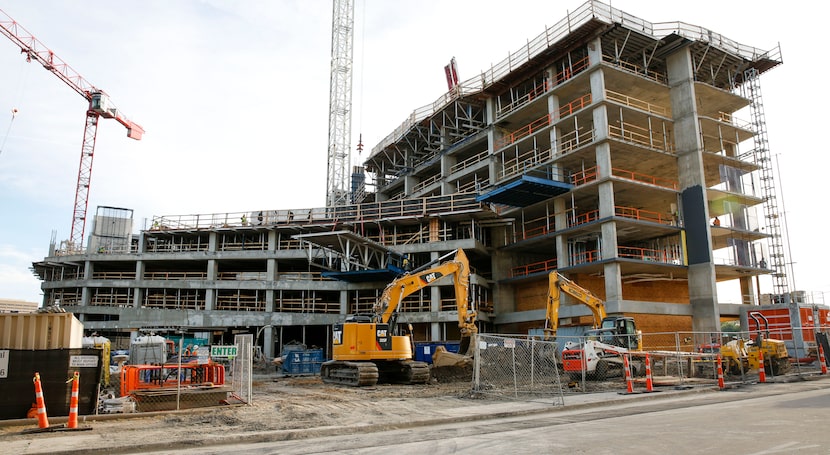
[(83, 361), (4, 363)]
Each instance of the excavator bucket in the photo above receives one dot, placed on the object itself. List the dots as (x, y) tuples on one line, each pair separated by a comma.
[(451, 367)]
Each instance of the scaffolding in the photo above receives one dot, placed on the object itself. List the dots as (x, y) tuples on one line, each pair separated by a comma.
[(763, 157)]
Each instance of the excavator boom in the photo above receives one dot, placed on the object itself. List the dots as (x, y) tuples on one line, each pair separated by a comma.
[(366, 349), (558, 284)]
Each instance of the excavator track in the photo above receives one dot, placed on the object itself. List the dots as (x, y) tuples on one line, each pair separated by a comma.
[(403, 372), (354, 374)]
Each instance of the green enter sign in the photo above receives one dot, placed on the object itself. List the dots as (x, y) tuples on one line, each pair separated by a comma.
[(223, 351)]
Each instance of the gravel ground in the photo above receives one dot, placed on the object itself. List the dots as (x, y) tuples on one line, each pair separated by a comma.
[(279, 403)]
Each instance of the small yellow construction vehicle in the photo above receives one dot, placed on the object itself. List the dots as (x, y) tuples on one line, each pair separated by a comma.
[(368, 349), (740, 355)]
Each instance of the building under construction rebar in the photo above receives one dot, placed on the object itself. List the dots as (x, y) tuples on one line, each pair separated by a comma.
[(604, 148)]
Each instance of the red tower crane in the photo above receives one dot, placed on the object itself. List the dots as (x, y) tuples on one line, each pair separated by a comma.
[(99, 106)]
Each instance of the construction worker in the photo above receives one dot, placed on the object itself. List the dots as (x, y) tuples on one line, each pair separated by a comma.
[(244, 220), (716, 222)]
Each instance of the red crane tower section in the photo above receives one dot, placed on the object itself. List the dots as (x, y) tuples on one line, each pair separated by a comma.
[(99, 106)]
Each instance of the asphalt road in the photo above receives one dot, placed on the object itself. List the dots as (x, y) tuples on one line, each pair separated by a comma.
[(759, 419)]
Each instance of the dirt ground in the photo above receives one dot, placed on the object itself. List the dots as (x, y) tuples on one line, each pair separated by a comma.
[(281, 403)]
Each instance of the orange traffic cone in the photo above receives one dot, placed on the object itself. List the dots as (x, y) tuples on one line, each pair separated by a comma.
[(42, 419), (629, 383), (822, 360), (73, 403), (762, 374), (649, 381), (721, 384)]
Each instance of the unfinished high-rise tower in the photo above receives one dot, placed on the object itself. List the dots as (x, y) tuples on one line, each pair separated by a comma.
[(605, 148)]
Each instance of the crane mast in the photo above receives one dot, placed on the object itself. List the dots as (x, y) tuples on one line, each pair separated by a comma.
[(99, 106), (340, 103)]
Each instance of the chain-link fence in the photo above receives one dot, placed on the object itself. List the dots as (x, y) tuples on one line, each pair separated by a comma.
[(242, 368), (516, 367), (212, 376), (691, 358)]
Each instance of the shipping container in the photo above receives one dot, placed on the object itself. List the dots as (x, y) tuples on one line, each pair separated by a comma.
[(40, 331)]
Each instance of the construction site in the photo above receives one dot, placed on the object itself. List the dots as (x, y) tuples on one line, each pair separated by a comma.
[(601, 166), (570, 155)]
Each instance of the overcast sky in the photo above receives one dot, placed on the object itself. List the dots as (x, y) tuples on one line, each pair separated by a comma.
[(233, 96)]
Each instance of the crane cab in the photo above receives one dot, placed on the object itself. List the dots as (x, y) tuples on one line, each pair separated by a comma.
[(99, 103)]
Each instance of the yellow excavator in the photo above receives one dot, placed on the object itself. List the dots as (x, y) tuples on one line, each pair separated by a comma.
[(556, 285), (610, 336), (367, 349)]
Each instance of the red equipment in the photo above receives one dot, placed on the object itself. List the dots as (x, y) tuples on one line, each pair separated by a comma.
[(99, 106)]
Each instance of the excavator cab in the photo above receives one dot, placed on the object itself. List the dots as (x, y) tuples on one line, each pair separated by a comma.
[(621, 331)]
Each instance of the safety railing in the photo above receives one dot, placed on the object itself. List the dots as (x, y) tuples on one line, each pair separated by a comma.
[(536, 267), (642, 215), (524, 162), (635, 102), (645, 178), (524, 131), (639, 135), (572, 140), (424, 206), (469, 162)]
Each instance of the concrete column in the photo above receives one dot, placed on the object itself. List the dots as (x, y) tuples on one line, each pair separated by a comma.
[(560, 217), (503, 296), (270, 278), (409, 182), (272, 240), (594, 52), (613, 283), (344, 302), (553, 110), (490, 116), (702, 287), (210, 292), (597, 86), (138, 290), (435, 307), (86, 292), (212, 272), (268, 341)]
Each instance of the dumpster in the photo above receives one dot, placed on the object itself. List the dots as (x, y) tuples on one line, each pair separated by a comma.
[(425, 349), (302, 362)]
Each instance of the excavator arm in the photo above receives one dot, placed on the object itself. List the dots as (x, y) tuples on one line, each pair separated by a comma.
[(414, 281), (558, 284)]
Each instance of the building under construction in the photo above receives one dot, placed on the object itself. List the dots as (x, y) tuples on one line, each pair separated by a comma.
[(604, 148)]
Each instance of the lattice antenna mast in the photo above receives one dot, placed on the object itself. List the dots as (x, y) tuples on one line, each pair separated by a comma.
[(99, 106), (340, 103), (763, 157)]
